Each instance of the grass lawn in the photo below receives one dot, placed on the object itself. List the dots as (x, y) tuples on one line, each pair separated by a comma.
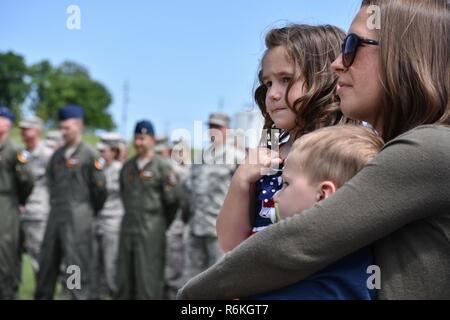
[(26, 290), (28, 284)]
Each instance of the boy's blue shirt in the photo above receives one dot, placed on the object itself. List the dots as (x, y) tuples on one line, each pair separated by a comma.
[(345, 279)]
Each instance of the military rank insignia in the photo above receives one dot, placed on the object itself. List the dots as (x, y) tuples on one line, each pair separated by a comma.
[(99, 163), (72, 163), (145, 175), (23, 156)]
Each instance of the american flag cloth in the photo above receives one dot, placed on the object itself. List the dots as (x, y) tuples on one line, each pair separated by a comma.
[(266, 188)]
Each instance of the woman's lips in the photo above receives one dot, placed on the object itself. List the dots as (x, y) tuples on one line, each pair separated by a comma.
[(342, 85)]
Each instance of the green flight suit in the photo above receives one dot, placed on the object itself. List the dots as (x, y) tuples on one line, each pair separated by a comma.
[(77, 189), (150, 200), (16, 184)]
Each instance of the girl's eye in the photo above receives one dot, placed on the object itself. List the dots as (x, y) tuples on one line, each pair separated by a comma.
[(285, 184), (268, 84), (286, 80)]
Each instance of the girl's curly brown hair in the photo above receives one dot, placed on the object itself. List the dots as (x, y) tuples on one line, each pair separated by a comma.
[(311, 49)]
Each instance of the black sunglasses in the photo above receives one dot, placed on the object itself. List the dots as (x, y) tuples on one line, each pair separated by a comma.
[(350, 46)]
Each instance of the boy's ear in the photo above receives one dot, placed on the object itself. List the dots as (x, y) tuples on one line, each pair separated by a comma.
[(326, 189)]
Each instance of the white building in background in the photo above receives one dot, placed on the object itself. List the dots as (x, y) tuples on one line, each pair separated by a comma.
[(248, 125)]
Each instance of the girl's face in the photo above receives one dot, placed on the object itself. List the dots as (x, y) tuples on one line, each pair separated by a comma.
[(359, 86), (278, 71)]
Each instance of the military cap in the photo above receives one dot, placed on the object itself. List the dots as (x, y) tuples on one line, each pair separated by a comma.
[(7, 113), (219, 119), (144, 127), (71, 111), (31, 123), (161, 143)]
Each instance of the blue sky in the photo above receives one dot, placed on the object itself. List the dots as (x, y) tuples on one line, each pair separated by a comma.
[(180, 58)]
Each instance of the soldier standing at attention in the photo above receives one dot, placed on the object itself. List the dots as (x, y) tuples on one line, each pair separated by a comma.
[(35, 213), (16, 184), (207, 187), (77, 189), (150, 200), (107, 223)]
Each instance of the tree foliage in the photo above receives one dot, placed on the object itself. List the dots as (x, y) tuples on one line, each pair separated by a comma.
[(50, 88)]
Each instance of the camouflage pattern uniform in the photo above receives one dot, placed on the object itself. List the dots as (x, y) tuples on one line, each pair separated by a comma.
[(207, 187), (175, 243), (106, 234), (35, 215)]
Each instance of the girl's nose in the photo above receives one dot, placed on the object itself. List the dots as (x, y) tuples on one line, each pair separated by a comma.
[(275, 93)]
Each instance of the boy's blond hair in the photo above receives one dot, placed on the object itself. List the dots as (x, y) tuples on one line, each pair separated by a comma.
[(336, 153)]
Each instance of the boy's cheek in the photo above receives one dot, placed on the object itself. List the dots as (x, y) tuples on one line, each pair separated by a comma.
[(284, 211)]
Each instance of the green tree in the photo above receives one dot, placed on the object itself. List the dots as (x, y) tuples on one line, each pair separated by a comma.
[(53, 88), (14, 85)]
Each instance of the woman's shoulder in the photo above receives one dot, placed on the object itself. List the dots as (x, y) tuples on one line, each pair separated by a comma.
[(424, 149), (428, 137)]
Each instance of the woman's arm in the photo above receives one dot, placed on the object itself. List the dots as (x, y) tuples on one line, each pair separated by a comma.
[(409, 180)]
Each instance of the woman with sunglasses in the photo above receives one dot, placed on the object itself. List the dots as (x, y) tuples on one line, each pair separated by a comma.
[(397, 78)]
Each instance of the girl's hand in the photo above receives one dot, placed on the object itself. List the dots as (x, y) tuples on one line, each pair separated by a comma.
[(259, 162)]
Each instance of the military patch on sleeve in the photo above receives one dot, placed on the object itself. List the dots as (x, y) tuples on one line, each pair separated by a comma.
[(23, 156), (172, 178), (99, 163)]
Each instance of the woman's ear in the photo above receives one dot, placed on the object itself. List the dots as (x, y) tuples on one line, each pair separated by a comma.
[(326, 189)]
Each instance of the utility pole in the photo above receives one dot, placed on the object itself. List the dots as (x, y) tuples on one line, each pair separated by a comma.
[(221, 104), (125, 108)]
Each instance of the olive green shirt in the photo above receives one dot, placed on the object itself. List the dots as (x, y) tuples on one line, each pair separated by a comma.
[(400, 202), (16, 184), (16, 178), (147, 192), (77, 184)]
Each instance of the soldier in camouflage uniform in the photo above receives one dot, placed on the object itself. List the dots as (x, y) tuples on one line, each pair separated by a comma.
[(107, 223), (16, 184), (53, 140), (77, 189), (147, 186), (174, 235), (207, 187), (119, 141), (35, 213)]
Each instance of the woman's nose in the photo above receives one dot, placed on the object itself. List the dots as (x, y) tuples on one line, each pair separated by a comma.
[(337, 65)]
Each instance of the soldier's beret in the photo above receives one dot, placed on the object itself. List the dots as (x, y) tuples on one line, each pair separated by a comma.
[(144, 127), (7, 113), (71, 111)]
